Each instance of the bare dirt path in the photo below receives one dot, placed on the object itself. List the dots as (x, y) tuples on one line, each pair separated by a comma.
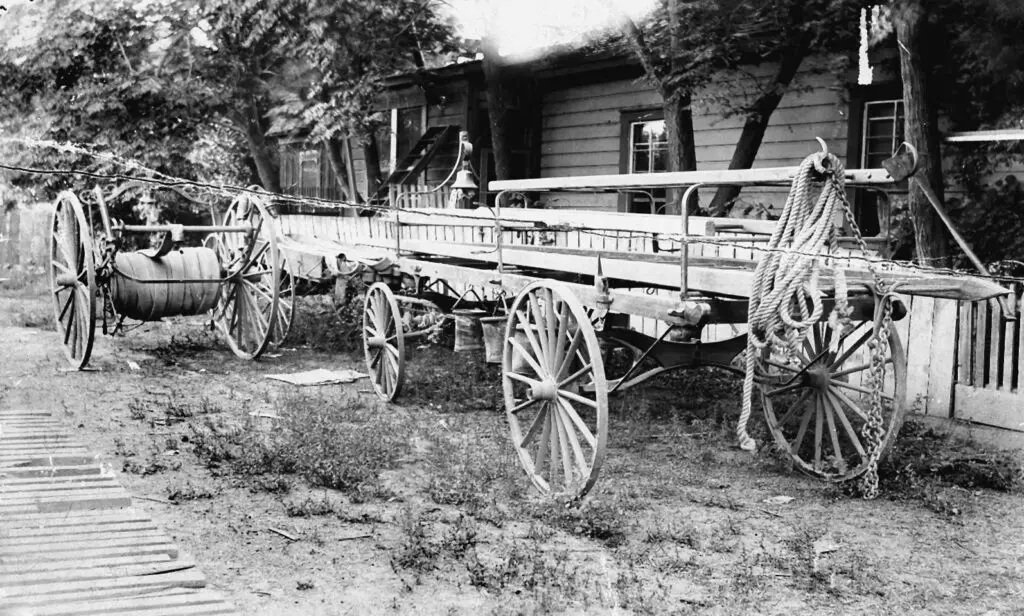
[(426, 511)]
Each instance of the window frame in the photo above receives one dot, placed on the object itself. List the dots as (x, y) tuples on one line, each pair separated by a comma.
[(859, 97), (627, 119)]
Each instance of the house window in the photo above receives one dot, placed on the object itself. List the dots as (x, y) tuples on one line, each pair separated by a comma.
[(883, 132), (309, 173), (645, 150)]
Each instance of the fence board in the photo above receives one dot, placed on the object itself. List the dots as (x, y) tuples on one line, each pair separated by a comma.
[(1009, 350), (995, 336), (942, 366), (919, 338), (990, 407), (965, 336), (980, 334)]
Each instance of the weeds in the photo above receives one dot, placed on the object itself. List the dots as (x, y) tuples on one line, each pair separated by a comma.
[(603, 521), (344, 447), (189, 491), (309, 507)]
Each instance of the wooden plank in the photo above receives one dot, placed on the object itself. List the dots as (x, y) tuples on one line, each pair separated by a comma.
[(148, 565), (995, 340), (70, 503), (980, 336), (1006, 364), (991, 407), (81, 530), (31, 594), (51, 471), (919, 352), (744, 177), (131, 605), (71, 554), (73, 518), (45, 542), (83, 563), (942, 367), (965, 338)]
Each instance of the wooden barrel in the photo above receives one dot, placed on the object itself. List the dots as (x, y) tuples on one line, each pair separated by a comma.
[(159, 296)]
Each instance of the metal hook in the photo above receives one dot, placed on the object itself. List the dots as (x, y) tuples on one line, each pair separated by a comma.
[(824, 146)]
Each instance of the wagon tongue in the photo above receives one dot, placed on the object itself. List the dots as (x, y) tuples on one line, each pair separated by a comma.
[(969, 289)]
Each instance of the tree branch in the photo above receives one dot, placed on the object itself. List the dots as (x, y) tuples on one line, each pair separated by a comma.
[(642, 50)]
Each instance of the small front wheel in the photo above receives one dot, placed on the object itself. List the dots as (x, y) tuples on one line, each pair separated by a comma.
[(383, 341)]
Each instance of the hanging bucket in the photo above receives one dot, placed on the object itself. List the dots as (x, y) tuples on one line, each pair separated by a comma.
[(494, 335), (468, 332)]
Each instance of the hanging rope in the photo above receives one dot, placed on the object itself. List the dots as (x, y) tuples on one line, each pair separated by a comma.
[(785, 301)]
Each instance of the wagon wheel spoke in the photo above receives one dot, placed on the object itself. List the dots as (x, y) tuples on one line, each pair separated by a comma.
[(849, 403), (528, 358), (525, 404), (864, 390), (851, 434), (543, 350), (830, 421), (581, 427), (578, 398), (852, 348), (538, 352)]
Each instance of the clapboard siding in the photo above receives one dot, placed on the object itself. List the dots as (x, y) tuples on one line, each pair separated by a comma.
[(581, 129)]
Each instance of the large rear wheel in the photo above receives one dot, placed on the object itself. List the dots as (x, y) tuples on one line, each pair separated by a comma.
[(817, 405), (556, 395), (73, 279), (247, 311)]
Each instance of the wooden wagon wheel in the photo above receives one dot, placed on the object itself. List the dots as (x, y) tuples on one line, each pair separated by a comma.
[(556, 395), (816, 407), (247, 309), (384, 341), (73, 278), (285, 306)]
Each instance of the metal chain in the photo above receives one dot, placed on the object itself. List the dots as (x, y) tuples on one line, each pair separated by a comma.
[(873, 430)]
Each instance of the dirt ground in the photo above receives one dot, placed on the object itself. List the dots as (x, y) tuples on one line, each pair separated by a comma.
[(428, 513)]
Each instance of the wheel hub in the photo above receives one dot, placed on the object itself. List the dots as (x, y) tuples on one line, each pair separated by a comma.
[(544, 390), (66, 280), (375, 342), (818, 376)]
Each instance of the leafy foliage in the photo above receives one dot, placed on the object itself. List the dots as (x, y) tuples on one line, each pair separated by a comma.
[(119, 78)]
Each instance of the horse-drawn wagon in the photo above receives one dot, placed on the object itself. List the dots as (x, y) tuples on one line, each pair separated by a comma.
[(820, 350)]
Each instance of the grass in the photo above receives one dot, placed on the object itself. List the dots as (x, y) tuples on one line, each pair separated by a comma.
[(944, 473), (340, 444)]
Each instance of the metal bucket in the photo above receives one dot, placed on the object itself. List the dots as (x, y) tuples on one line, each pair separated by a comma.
[(469, 335), (494, 336), (143, 288)]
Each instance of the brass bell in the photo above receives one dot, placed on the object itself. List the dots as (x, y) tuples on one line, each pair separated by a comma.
[(464, 180)]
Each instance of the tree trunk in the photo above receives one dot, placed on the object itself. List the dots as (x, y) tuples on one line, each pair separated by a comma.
[(499, 96), (682, 148), (921, 131), (261, 152), (371, 157), (756, 123), (340, 170)]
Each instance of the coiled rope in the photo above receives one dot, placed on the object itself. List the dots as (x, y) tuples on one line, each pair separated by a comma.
[(785, 301)]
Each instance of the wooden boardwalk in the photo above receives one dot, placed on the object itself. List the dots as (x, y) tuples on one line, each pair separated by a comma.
[(70, 541)]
